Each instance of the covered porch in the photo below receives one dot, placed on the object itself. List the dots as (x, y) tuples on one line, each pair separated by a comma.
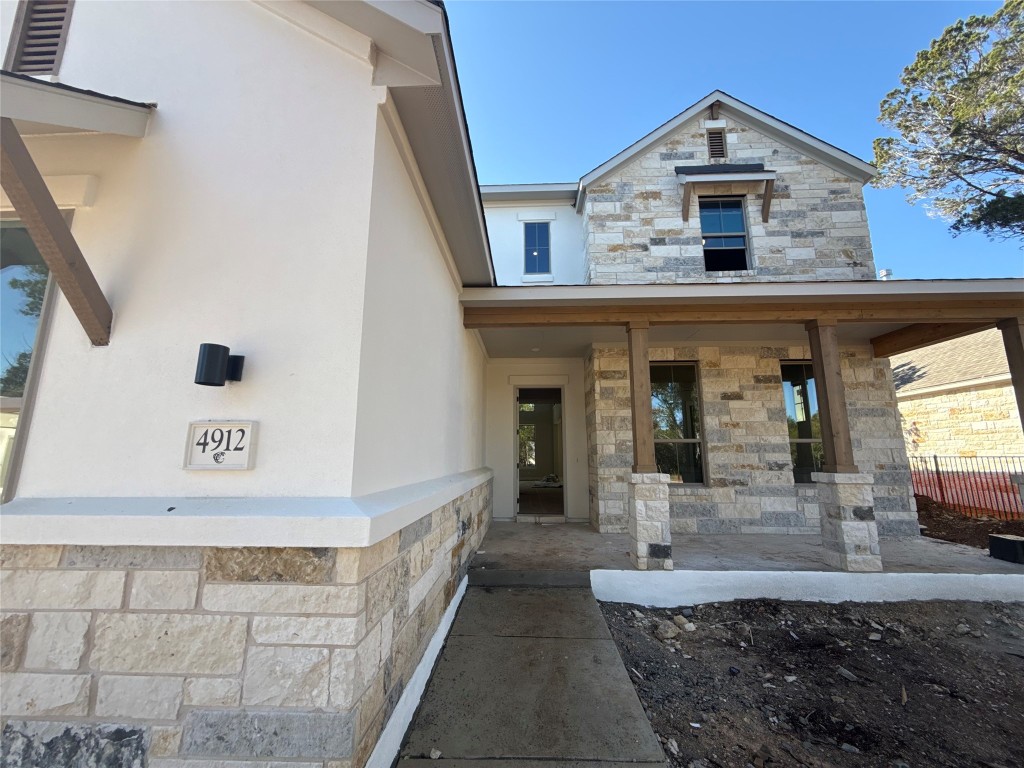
[(843, 331)]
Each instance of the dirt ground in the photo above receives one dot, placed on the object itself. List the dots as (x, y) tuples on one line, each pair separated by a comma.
[(948, 525), (889, 685)]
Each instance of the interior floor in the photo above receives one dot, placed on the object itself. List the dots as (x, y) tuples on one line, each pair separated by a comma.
[(540, 501)]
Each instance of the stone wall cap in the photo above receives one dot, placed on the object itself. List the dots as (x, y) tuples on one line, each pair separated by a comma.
[(339, 521), (843, 478)]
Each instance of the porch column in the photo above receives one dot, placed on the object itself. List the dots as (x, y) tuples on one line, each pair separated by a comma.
[(640, 396), (849, 534), (1013, 342), (650, 531)]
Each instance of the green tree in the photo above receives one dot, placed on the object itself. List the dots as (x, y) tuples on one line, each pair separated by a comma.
[(12, 380), (959, 113)]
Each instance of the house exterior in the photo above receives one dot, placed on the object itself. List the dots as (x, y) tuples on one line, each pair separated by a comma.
[(956, 398), (256, 570)]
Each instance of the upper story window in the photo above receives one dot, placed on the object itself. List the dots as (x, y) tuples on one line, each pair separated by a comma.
[(675, 405), (537, 240), (724, 234), (804, 421), (38, 38)]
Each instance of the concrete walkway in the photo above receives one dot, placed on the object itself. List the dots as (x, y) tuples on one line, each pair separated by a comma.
[(530, 677)]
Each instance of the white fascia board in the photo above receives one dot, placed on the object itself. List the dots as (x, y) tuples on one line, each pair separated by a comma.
[(528, 192), (883, 290), (231, 522), (713, 178), (39, 102), (399, 29), (315, 22), (755, 118)]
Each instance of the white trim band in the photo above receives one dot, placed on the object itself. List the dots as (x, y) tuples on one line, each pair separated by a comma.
[(231, 522), (667, 589)]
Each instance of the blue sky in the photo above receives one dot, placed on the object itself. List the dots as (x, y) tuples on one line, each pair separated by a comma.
[(553, 89)]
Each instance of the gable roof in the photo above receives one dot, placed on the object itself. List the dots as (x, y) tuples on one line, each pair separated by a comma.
[(957, 361), (730, 106)]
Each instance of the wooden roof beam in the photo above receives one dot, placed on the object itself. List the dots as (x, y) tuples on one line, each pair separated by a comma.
[(923, 335), (983, 312), (49, 231)]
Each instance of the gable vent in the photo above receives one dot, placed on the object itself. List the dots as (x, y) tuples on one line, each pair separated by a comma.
[(716, 143), (40, 29)]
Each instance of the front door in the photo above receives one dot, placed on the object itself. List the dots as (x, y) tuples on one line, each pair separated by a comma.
[(540, 455)]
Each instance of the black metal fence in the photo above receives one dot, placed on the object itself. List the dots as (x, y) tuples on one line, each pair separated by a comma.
[(979, 486)]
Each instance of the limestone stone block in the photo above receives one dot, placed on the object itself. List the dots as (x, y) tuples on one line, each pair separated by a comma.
[(286, 677), (67, 590), (244, 734), (34, 694), (13, 633), (29, 556), (283, 598), (56, 640), (164, 590), (169, 644), (213, 692), (42, 744), (139, 696), (299, 565), (154, 558), (303, 630), (164, 740)]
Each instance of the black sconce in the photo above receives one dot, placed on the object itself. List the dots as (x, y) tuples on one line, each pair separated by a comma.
[(217, 365)]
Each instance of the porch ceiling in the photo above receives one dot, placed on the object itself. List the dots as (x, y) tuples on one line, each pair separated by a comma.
[(574, 341)]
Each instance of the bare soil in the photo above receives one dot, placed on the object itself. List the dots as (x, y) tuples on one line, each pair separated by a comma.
[(768, 684), (950, 525)]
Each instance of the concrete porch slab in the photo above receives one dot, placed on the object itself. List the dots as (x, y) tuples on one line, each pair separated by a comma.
[(522, 554)]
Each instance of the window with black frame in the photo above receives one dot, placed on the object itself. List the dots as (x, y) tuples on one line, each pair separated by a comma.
[(675, 406), (804, 421), (723, 232), (537, 248)]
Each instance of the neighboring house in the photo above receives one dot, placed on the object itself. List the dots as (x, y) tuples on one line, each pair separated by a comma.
[(254, 572), (956, 398)]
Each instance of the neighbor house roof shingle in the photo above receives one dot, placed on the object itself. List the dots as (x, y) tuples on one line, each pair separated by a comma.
[(978, 356)]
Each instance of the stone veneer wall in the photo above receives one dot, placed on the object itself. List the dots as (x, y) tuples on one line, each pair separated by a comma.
[(975, 421), (635, 232), (183, 657), (749, 484)]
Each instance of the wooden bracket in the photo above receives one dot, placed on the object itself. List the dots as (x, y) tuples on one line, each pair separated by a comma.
[(49, 231)]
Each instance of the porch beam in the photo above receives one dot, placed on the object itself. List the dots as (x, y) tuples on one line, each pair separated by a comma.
[(1013, 342), (525, 316), (27, 192), (922, 335), (640, 396), (828, 381)]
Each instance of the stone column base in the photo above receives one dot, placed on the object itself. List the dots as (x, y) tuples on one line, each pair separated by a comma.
[(848, 531), (650, 533)]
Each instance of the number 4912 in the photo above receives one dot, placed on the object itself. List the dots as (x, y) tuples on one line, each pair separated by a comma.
[(217, 439)]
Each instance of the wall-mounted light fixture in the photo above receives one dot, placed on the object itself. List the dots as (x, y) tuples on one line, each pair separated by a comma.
[(217, 365)]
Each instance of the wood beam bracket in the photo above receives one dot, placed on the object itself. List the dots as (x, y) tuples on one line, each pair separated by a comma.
[(34, 204)]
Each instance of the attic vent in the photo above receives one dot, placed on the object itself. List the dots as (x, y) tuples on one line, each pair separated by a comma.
[(716, 143), (37, 42)]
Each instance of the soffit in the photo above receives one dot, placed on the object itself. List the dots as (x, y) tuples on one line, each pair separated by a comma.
[(38, 107)]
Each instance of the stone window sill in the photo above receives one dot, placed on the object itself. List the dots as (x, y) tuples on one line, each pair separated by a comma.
[(538, 278)]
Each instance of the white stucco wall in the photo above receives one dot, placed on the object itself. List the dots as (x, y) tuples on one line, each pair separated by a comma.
[(420, 373), (503, 376), (505, 229), (241, 219)]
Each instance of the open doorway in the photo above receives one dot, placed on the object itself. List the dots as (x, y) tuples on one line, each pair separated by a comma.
[(540, 455)]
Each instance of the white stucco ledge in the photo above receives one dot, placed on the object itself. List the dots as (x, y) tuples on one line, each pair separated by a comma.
[(231, 522), (667, 589)]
